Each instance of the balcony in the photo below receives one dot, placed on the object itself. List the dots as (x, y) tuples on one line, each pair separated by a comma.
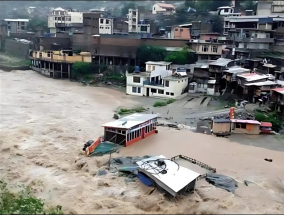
[(152, 83), (76, 25), (60, 25), (253, 40)]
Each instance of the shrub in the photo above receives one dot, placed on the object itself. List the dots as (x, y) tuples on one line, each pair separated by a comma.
[(159, 104), (169, 101), (124, 111), (271, 117), (23, 202)]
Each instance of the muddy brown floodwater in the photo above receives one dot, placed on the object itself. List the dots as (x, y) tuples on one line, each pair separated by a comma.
[(45, 122)]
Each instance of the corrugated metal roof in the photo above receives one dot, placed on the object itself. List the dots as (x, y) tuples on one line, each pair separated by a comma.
[(236, 69), (263, 83), (266, 124), (279, 90), (166, 5), (220, 62), (222, 120), (130, 121), (162, 63), (246, 121)]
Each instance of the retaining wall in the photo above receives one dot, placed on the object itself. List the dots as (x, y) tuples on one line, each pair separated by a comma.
[(17, 49)]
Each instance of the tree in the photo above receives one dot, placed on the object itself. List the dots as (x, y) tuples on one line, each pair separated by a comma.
[(126, 7), (250, 5), (153, 53), (36, 21), (189, 3), (217, 25), (79, 69), (180, 57), (210, 5)]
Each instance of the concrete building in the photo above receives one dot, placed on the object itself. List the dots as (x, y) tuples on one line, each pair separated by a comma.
[(136, 21), (157, 81), (162, 8), (16, 26), (57, 64), (270, 7), (105, 26), (199, 27), (277, 96), (181, 33), (227, 11), (91, 23), (65, 20)]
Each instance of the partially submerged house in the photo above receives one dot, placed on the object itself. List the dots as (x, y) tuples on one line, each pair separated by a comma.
[(158, 81), (239, 126), (130, 129)]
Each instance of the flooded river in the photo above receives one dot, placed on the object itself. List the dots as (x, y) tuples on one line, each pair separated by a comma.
[(45, 123)]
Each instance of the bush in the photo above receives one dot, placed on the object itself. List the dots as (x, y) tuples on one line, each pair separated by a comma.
[(22, 202), (124, 111), (169, 101), (272, 117), (160, 104)]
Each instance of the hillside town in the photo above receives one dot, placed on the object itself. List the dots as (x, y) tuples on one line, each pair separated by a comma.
[(178, 106)]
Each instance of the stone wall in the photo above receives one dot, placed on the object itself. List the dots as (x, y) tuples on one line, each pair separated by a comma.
[(17, 49)]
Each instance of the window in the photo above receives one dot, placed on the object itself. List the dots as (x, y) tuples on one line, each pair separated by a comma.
[(181, 29), (243, 125), (214, 49), (48, 54), (134, 89), (154, 8), (61, 12), (176, 29), (139, 89), (245, 46), (161, 91), (107, 21), (153, 90), (8, 23), (172, 94), (226, 10), (153, 68), (143, 28), (101, 21), (59, 18), (22, 23), (55, 18), (205, 48), (167, 93), (9, 27), (23, 27), (210, 86), (63, 18), (136, 79), (167, 83)]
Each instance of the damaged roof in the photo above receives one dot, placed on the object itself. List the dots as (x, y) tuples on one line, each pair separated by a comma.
[(245, 121), (130, 121)]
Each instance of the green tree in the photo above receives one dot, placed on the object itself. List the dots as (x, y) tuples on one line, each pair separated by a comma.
[(189, 3), (79, 69), (180, 57), (250, 5), (217, 25), (150, 53), (126, 7), (210, 5), (37, 21)]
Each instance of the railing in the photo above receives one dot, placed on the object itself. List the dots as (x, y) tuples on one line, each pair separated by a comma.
[(153, 83)]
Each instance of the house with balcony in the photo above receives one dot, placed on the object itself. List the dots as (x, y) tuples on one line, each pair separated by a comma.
[(57, 64), (136, 21), (65, 20), (16, 26), (158, 81), (105, 26), (162, 8), (207, 48)]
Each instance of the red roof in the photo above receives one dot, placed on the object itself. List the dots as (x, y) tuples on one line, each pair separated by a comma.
[(246, 121), (166, 5), (279, 89), (266, 124)]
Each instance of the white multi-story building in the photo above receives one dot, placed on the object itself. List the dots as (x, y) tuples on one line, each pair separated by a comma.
[(64, 20), (157, 81), (161, 8), (136, 24), (105, 26), (270, 7)]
